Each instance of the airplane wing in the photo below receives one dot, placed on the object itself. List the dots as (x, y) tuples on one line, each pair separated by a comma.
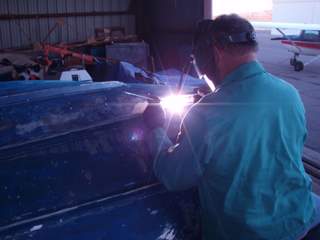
[(281, 25)]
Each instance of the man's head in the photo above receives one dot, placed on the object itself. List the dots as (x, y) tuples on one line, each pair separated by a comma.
[(222, 44)]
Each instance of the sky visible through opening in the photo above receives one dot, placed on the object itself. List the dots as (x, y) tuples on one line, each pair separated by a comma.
[(240, 6)]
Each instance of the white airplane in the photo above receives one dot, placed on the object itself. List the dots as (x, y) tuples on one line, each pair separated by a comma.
[(306, 43)]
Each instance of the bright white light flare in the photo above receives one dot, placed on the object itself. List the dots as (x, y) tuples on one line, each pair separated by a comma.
[(210, 83), (176, 104)]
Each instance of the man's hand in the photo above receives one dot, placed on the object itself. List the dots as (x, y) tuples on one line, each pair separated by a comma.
[(201, 92), (154, 116)]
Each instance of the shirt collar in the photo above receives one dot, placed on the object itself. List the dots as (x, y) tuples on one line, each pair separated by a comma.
[(243, 72)]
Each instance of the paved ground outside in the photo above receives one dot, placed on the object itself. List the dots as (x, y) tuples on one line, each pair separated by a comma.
[(275, 58)]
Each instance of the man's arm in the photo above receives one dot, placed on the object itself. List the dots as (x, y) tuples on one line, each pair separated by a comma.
[(180, 166)]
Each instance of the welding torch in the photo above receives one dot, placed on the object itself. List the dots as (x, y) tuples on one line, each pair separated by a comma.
[(186, 70)]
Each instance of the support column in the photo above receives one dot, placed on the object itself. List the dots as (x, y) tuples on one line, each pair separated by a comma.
[(208, 9)]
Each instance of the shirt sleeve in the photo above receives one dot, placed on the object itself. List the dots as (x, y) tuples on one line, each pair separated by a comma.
[(179, 166)]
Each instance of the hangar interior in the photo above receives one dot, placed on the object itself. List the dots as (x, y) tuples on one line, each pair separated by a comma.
[(87, 27), (73, 153), (74, 166)]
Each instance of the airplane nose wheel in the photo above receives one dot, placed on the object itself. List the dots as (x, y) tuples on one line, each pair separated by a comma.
[(298, 65)]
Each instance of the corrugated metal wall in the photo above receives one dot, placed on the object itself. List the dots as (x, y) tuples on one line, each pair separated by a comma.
[(23, 22)]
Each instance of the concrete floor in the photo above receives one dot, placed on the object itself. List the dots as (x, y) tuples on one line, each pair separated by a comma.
[(275, 58)]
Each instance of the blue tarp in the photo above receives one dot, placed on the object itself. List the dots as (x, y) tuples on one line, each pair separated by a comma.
[(171, 77), (128, 73)]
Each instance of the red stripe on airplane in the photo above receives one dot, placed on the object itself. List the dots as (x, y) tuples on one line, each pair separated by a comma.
[(311, 45)]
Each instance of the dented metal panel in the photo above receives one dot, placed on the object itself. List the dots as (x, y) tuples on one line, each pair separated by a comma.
[(64, 145), (145, 213), (30, 117), (74, 155)]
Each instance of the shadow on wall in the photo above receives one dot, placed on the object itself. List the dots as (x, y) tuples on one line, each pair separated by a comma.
[(168, 27)]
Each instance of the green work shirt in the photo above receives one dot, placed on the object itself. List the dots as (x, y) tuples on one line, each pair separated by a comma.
[(241, 146)]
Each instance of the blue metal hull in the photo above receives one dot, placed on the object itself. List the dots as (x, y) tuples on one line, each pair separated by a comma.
[(74, 163)]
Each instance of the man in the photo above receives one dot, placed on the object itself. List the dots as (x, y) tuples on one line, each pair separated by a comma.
[(241, 146)]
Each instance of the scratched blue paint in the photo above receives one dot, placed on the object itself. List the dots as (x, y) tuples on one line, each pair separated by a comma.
[(149, 214), (64, 144), (10, 88)]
